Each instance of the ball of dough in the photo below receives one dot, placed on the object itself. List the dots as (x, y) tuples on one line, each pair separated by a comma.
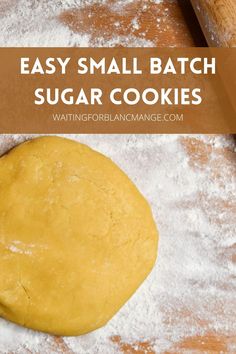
[(76, 237)]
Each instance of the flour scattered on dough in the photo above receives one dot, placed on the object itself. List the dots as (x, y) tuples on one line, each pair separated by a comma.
[(22, 248), (190, 183), (14, 249)]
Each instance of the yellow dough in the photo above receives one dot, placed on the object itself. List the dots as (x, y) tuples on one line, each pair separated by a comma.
[(76, 237)]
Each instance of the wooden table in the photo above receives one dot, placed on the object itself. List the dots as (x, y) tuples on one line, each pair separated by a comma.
[(166, 24), (170, 23)]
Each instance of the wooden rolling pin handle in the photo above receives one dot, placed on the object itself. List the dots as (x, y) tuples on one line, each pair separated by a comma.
[(218, 21)]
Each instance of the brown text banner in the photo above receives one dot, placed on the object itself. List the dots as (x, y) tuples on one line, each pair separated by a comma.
[(117, 90)]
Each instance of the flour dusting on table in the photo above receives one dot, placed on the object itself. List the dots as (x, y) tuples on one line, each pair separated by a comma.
[(69, 23), (190, 182)]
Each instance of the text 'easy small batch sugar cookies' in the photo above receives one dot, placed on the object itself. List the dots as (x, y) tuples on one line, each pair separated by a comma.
[(76, 237)]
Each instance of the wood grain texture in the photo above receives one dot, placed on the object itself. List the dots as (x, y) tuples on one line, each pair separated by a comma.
[(167, 24), (218, 21), (208, 344)]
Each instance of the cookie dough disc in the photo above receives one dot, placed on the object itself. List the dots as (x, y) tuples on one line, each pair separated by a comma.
[(76, 237)]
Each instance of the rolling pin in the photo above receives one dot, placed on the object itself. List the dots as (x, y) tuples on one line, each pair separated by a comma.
[(218, 21)]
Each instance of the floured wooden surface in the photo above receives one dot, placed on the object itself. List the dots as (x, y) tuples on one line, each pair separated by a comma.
[(89, 23), (188, 303)]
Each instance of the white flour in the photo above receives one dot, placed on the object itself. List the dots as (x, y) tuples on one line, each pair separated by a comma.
[(191, 290), (36, 23)]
